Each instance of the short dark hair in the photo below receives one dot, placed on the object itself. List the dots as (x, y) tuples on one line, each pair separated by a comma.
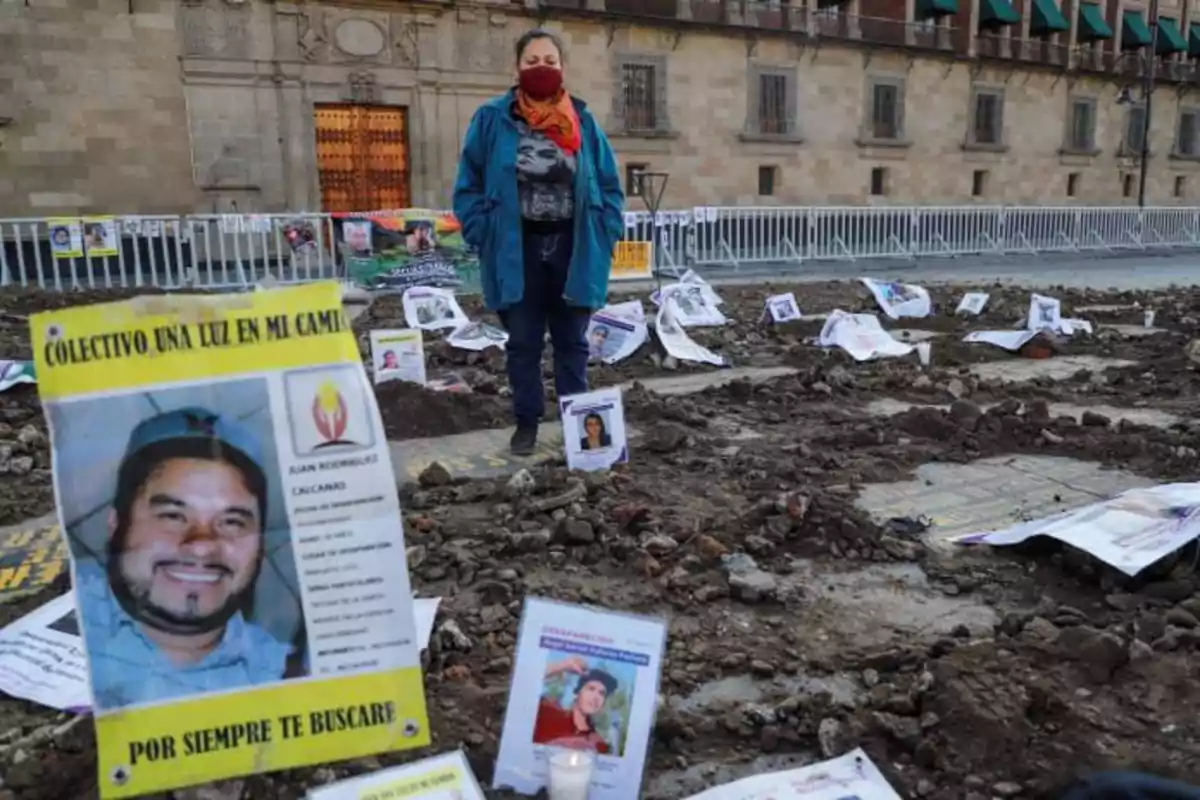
[(539, 33), (136, 470)]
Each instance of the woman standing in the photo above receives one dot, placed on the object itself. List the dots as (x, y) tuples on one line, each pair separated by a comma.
[(539, 197)]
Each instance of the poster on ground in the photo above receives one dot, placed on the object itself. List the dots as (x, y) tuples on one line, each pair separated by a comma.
[(972, 303), (676, 341), (782, 308), (594, 429), (477, 336), (100, 237), (898, 300), (615, 332), (852, 776), (430, 309), (398, 355), (861, 336), (413, 247), (225, 487), (33, 554), (66, 237), (1129, 532), (584, 679), (15, 373), (41, 657), (444, 777)]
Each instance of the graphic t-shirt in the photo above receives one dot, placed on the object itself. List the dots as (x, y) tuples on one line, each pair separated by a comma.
[(545, 177)]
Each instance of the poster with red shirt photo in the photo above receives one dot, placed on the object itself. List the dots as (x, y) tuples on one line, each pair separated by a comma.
[(584, 679)]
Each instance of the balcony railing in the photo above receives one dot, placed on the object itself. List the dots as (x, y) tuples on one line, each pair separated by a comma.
[(644, 8), (881, 30), (990, 45), (1042, 51)]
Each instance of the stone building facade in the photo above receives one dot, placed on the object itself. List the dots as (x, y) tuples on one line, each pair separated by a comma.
[(211, 106)]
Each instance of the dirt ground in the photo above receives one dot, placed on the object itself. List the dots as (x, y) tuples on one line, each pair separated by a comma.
[(1058, 665)]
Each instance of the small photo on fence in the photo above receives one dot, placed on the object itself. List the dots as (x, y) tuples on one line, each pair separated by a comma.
[(66, 238), (100, 236)]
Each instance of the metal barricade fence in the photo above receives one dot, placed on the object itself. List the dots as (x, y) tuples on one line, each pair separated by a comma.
[(213, 251)]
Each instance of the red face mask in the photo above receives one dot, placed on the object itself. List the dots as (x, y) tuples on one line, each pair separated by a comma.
[(541, 82)]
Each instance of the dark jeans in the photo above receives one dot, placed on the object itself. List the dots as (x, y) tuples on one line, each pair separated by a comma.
[(547, 261), (1129, 786)]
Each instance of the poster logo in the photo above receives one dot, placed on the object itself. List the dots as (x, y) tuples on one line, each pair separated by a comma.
[(329, 415), (328, 411)]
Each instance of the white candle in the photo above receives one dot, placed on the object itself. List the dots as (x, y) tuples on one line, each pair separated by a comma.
[(570, 775), (923, 352), (1148, 318)]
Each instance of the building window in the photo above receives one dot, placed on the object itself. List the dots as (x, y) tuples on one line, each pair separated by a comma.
[(1187, 142), (885, 117), (640, 102), (1127, 184), (766, 180), (987, 117), (879, 181), (979, 182), (773, 103), (1181, 186), (1081, 125), (1135, 130), (633, 179), (1072, 184)]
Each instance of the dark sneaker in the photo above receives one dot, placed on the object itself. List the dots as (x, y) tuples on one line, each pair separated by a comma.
[(524, 441)]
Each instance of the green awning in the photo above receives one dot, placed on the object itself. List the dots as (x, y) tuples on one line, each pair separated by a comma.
[(1134, 31), (1047, 18), (930, 9), (1092, 25), (1170, 40), (997, 14), (1194, 39)]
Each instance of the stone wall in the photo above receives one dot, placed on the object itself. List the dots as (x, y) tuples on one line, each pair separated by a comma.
[(207, 106), (92, 114)]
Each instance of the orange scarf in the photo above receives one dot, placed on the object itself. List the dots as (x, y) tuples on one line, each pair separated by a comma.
[(556, 118)]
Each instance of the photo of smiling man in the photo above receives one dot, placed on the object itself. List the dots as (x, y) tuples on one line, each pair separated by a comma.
[(168, 572)]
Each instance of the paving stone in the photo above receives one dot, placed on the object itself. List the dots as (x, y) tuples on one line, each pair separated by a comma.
[(1058, 368), (886, 407)]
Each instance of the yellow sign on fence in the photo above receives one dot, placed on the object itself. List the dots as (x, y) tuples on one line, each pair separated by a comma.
[(224, 482), (632, 261)]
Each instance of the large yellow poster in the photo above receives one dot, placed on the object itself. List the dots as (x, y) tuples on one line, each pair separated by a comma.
[(225, 490)]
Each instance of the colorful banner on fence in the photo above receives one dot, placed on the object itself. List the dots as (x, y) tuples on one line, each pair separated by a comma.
[(632, 261), (226, 490), (414, 247)]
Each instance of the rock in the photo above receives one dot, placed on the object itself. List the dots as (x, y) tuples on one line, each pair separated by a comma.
[(964, 412), (31, 437), (433, 476), (709, 548), (753, 586), (1051, 438), (956, 389), (1006, 789), (531, 541), (575, 531), (831, 738), (452, 637), (659, 544), (520, 484), (1101, 652), (1182, 618), (1093, 419)]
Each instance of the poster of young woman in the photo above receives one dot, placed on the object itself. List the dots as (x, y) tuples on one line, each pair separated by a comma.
[(585, 679), (594, 429)]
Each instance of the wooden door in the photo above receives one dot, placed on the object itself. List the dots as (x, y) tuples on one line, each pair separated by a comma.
[(362, 157)]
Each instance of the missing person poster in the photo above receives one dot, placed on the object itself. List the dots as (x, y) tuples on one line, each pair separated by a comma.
[(66, 237), (430, 309), (852, 776), (41, 657), (584, 679), (228, 501), (100, 237), (398, 355), (444, 777), (782, 308), (594, 429), (411, 247)]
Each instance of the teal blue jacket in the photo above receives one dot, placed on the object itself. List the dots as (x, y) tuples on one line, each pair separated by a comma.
[(487, 206)]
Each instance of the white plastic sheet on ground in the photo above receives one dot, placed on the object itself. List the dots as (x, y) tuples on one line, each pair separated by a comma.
[(431, 309), (42, 658), (617, 331), (898, 300), (852, 776), (676, 342), (1130, 531), (972, 303), (477, 336), (861, 336), (782, 308)]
